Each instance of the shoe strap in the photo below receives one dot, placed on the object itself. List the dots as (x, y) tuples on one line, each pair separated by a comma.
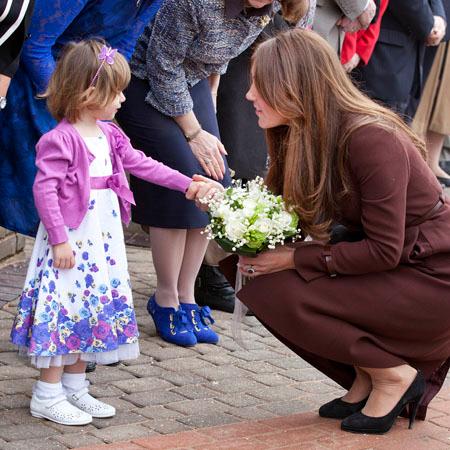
[(205, 315), (54, 401), (79, 394)]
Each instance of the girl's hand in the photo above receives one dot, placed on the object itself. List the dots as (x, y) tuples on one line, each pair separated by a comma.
[(63, 257), (209, 150), (200, 188), (281, 258)]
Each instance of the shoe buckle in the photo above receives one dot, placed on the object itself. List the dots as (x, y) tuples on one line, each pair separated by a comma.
[(205, 314)]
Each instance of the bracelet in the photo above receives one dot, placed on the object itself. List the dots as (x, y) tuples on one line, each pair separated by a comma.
[(190, 137)]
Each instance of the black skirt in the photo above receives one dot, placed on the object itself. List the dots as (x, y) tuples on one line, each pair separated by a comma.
[(158, 136)]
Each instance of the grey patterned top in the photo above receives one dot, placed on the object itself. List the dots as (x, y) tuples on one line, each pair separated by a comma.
[(190, 40)]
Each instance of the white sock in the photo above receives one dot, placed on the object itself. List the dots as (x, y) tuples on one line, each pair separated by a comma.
[(73, 382), (44, 390)]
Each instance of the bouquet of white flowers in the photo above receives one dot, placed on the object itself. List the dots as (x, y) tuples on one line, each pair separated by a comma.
[(249, 219)]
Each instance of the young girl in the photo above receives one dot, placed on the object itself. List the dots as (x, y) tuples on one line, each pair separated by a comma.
[(76, 305)]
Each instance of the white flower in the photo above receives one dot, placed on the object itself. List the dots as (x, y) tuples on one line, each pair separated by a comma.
[(250, 214), (235, 230), (263, 225)]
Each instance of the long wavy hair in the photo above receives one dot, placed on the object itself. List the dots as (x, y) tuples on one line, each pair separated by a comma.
[(300, 76)]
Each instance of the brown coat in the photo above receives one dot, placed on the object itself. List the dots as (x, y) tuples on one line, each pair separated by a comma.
[(388, 299)]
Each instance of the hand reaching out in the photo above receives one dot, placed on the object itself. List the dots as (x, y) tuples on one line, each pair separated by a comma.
[(200, 188)]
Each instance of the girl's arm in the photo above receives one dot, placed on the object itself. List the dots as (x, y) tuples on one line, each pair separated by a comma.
[(142, 166), (53, 157), (47, 24)]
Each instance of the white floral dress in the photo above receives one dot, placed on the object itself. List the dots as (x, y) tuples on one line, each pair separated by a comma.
[(87, 310)]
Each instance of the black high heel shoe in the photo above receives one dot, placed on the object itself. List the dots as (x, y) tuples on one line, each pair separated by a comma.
[(360, 423), (339, 409)]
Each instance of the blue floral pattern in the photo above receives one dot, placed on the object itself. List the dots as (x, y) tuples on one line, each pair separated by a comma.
[(26, 118), (89, 308)]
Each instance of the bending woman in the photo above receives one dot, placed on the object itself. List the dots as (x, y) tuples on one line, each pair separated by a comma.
[(373, 314)]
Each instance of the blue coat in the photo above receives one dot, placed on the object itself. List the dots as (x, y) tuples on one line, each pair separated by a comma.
[(26, 119), (394, 72)]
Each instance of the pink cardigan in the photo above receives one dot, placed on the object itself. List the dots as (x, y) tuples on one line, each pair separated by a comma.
[(62, 185)]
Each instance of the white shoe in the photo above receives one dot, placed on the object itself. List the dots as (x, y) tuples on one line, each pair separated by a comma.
[(58, 410), (84, 401)]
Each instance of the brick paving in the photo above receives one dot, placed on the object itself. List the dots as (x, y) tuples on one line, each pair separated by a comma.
[(221, 397)]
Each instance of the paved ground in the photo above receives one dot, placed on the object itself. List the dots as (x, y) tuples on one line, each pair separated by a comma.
[(262, 397)]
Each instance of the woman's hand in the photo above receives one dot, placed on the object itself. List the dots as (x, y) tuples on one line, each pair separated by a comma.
[(63, 257), (209, 150), (281, 258), (352, 63), (437, 33), (201, 188)]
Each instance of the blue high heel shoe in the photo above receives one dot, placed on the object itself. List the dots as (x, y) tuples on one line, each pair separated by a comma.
[(199, 318), (171, 324)]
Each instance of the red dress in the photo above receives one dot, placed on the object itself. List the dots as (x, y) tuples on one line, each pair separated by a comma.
[(363, 42)]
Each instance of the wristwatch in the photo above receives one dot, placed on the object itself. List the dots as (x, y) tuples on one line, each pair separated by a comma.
[(2, 102)]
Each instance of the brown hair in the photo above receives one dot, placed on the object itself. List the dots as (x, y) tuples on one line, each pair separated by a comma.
[(300, 76), (69, 90), (293, 10)]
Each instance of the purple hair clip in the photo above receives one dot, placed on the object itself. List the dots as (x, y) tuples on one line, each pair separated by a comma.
[(106, 55)]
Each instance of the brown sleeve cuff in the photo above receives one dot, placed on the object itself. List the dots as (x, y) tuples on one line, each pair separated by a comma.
[(309, 261), (314, 260), (329, 260)]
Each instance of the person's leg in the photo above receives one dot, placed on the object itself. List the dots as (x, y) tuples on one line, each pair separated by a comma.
[(51, 375), (76, 389), (198, 318), (49, 400), (393, 390), (361, 387), (353, 401), (435, 141), (74, 377), (388, 386), (168, 249), (211, 287), (194, 251)]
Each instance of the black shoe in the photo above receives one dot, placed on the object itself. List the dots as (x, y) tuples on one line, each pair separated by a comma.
[(360, 423), (212, 289), (90, 367), (445, 165), (444, 181), (338, 409)]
